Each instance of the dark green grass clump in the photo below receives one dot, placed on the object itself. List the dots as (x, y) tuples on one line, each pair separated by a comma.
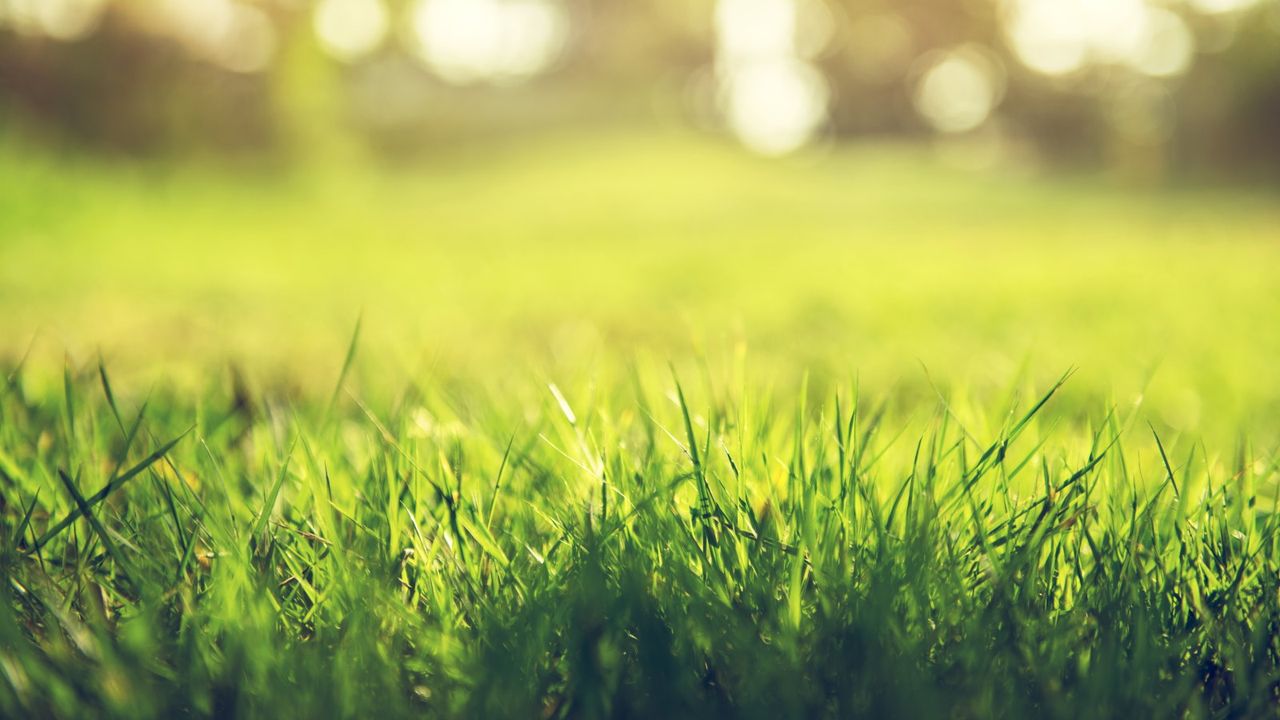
[(640, 552)]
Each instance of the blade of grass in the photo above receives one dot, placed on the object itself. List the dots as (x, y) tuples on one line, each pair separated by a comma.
[(110, 487)]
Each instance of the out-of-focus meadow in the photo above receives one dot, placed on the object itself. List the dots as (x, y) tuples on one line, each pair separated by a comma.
[(957, 193)]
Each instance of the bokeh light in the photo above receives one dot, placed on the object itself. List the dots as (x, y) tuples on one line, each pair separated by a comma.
[(775, 106), (66, 20), (236, 36), (1169, 46), (468, 41), (755, 29), (351, 29), (783, 72), (1221, 6), (958, 89), (774, 100), (249, 44), (1059, 37)]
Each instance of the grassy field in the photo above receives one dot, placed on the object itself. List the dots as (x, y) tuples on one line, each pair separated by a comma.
[(635, 426)]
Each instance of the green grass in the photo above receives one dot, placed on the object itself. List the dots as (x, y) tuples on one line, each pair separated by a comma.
[(572, 255), (635, 427), (636, 549)]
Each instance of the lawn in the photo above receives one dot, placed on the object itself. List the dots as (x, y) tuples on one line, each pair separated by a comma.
[(630, 424)]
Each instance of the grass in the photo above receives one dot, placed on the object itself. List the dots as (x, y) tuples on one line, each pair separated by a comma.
[(754, 440), (574, 254), (643, 551)]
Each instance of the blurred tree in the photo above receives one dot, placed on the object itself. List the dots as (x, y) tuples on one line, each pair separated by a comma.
[(123, 89), (251, 79)]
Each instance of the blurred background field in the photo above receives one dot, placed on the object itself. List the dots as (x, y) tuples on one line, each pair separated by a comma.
[(970, 193)]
